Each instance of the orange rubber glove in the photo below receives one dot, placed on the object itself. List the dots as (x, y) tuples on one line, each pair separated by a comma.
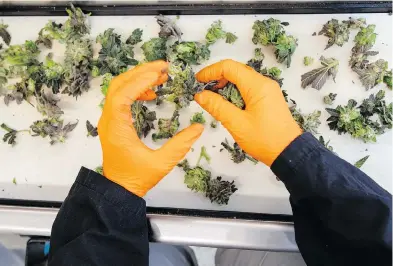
[(266, 127), (126, 160)]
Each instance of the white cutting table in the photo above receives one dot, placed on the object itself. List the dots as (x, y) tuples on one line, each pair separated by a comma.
[(45, 172)]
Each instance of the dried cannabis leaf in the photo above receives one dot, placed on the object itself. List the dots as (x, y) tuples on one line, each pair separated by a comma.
[(142, 119), (10, 136), (47, 104), (325, 144), (257, 61), (20, 91), (114, 56), (167, 127), (54, 74), (372, 74), (317, 77), (196, 178), (91, 130), (308, 60), (135, 37), (231, 93), (230, 38), (155, 49), (329, 99), (360, 162), (237, 154), (99, 169), (203, 155), (271, 32), (4, 34), (198, 118), (219, 191), (53, 128), (168, 28)]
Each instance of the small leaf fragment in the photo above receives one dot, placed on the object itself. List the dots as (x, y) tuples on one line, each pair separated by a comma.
[(91, 130), (360, 162)]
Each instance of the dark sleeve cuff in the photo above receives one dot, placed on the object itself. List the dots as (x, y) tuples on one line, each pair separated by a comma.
[(110, 191), (294, 155)]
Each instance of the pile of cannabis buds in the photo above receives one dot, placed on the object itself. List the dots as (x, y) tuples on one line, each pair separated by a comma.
[(40, 82)]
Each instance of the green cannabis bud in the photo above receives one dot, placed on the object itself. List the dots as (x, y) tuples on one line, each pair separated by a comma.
[(308, 60), (196, 178), (376, 104), (21, 54), (237, 154), (348, 119), (216, 32), (387, 79), (114, 56), (271, 32), (10, 136), (167, 127), (273, 73), (317, 77), (77, 65), (231, 93), (91, 130), (360, 162), (135, 37), (198, 118), (54, 74), (155, 49), (329, 99), (4, 34), (192, 53), (53, 128), (257, 61), (168, 28), (309, 122), (325, 143), (143, 119), (21, 91)]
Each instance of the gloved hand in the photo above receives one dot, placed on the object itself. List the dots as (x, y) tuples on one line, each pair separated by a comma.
[(266, 127), (126, 160)]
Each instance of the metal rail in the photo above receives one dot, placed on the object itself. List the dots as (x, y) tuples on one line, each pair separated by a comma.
[(173, 229)]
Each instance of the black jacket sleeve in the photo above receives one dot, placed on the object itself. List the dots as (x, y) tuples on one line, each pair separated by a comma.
[(341, 216), (99, 223)]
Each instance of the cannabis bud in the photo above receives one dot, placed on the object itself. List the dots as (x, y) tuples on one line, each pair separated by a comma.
[(271, 32), (237, 154), (308, 60), (216, 32), (231, 93), (309, 122), (196, 178), (192, 53), (168, 28), (329, 99), (155, 49), (219, 191), (143, 118), (198, 118), (53, 128), (114, 56), (167, 128), (317, 77), (54, 74), (135, 37)]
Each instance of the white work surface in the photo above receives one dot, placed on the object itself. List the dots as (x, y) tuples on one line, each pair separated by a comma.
[(34, 163)]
